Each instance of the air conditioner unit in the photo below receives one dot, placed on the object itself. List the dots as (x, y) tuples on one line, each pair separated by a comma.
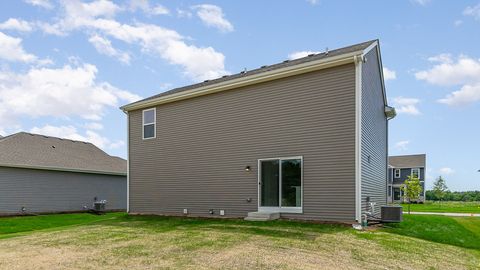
[(392, 213)]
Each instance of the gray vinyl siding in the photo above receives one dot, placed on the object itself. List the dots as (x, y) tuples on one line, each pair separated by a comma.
[(404, 173), (374, 135), (202, 146), (42, 191)]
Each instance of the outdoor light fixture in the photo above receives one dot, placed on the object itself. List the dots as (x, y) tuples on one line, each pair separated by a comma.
[(247, 169)]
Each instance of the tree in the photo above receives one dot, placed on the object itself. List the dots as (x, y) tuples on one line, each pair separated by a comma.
[(440, 188), (411, 190)]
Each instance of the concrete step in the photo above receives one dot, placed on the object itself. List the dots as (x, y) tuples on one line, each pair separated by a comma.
[(262, 216), (256, 219)]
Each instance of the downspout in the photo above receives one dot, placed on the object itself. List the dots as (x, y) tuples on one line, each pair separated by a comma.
[(390, 113), (358, 60), (128, 161)]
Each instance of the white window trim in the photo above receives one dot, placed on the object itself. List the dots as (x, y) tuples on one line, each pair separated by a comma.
[(399, 173), (154, 123), (411, 172), (279, 209)]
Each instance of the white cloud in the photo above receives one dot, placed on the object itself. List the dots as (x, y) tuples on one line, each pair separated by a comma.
[(11, 49), (181, 13), (213, 16), (389, 74), (458, 22), (406, 105), (469, 93), (441, 58), (160, 10), (70, 132), (421, 2), (402, 145), (94, 126), (104, 46), (300, 54), (473, 11), (446, 171), (63, 92), (78, 10), (17, 25), (462, 71), (144, 5), (313, 2), (449, 71), (40, 3), (198, 63)]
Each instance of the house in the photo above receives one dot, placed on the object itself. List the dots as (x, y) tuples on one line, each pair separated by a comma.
[(43, 174), (399, 168), (301, 139)]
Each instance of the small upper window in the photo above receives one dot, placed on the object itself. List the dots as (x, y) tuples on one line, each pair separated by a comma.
[(149, 119), (416, 172), (397, 173)]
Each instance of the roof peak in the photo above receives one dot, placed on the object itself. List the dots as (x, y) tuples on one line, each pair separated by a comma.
[(408, 155), (324, 56), (47, 137)]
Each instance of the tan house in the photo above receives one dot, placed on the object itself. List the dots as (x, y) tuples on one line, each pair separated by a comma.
[(301, 139)]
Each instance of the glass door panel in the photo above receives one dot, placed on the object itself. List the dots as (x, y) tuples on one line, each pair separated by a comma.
[(269, 181), (291, 182)]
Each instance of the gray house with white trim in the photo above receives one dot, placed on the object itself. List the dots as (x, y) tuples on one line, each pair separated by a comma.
[(399, 168), (43, 174), (304, 138)]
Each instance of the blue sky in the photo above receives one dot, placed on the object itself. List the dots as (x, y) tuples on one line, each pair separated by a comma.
[(66, 66)]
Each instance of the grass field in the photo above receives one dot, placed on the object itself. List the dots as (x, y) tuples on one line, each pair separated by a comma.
[(118, 241), (445, 207)]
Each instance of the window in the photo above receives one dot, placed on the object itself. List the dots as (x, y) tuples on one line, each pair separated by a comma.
[(415, 172), (397, 173), (149, 119)]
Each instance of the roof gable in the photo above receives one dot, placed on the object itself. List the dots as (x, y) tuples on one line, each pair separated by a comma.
[(231, 80), (407, 161)]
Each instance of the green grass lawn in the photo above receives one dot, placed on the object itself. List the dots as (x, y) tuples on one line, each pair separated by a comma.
[(445, 207), (119, 241), (457, 231), (9, 226)]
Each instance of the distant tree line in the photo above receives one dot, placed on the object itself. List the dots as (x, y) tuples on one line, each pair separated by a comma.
[(440, 192), (465, 196)]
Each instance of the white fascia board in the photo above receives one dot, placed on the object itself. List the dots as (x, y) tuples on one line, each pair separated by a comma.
[(249, 80), (128, 160), (376, 45), (61, 169)]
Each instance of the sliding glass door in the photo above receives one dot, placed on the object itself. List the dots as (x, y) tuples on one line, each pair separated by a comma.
[(280, 184)]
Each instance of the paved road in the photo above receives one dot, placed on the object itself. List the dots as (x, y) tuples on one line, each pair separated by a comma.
[(444, 214)]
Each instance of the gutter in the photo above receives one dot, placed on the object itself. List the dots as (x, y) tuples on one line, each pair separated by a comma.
[(62, 169), (248, 80), (390, 112)]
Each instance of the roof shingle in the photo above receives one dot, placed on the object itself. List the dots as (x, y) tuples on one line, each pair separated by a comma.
[(286, 63), (31, 150), (407, 161)]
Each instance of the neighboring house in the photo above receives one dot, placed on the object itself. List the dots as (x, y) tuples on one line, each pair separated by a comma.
[(399, 168), (42, 174), (306, 138)]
